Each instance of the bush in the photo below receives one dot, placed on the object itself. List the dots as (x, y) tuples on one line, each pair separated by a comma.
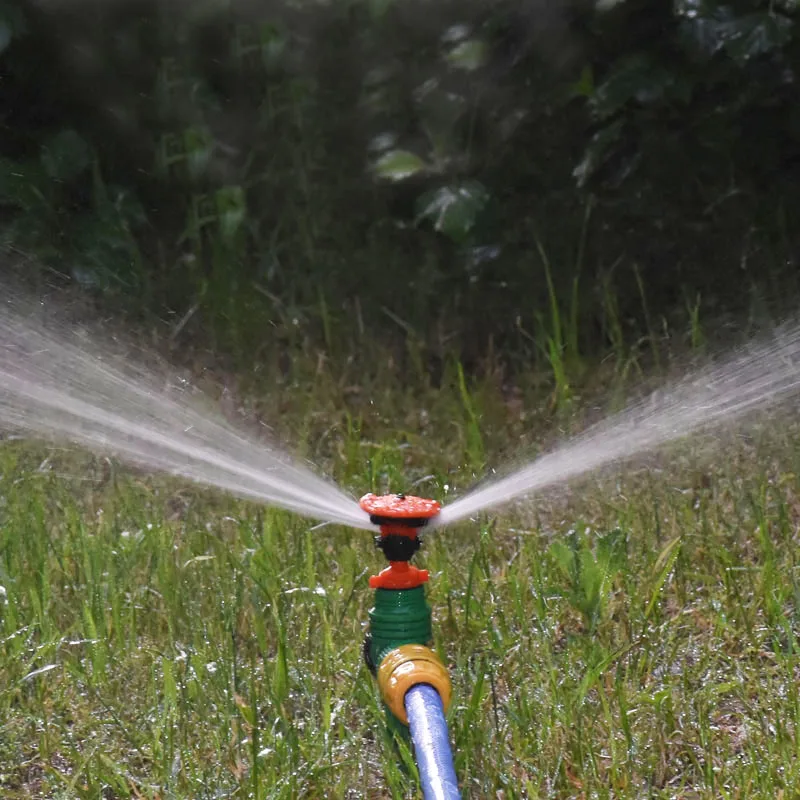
[(406, 163)]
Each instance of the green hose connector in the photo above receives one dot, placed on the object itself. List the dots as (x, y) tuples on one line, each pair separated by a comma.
[(400, 616)]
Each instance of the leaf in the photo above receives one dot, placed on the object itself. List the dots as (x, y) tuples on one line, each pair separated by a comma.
[(170, 688), (704, 33), (66, 156), (21, 185), (6, 34), (280, 673), (456, 33), (714, 28), (198, 147), (273, 44), (397, 165), (592, 584), (755, 35), (473, 708), (127, 208), (636, 78), (612, 551), (584, 86), (440, 112), (663, 566), (597, 152), (620, 86), (197, 560), (564, 556), (12, 23), (378, 8), (40, 671), (468, 55), (105, 251), (231, 209), (248, 713), (453, 210)]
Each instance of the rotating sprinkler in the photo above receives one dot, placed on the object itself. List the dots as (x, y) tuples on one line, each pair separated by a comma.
[(414, 684), (58, 387)]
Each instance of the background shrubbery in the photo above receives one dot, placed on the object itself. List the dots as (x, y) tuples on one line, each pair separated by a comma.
[(550, 179), (404, 237)]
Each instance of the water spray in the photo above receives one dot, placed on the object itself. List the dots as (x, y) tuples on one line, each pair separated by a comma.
[(414, 684), (57, 386)]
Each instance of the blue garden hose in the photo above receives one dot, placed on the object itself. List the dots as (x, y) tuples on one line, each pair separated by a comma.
[(431, 740)]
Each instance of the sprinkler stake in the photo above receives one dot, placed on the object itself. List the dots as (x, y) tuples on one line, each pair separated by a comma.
[(397, 647)]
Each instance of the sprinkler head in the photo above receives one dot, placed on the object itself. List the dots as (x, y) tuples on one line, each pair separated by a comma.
[(399, 510), (399, 517)]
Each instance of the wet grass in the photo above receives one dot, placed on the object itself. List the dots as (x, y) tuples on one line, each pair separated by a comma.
[(635, 638)]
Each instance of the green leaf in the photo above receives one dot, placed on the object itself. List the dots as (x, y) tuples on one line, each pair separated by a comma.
[(231, 210), (198, 147), (704, 33), (378, 8), (592, 581), (453, 210), (66, 156), (564, 556), (663, 566), (273, 44), (597, 152), (584, 86), (397, 165), (468, 55), (12, 23), (745, 37), (755, 35), (128, 209), (106, 254), (22, 184), (248, 712), (612, 551), (6, 34), (170, 687), (634, 78)]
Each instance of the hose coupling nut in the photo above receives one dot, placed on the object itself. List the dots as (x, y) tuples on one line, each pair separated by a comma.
[(407, 666)]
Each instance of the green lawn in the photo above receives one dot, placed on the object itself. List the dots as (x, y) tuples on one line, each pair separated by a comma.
[(632, 638)]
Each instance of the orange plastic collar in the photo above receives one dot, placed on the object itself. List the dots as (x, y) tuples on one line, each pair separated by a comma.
[(399, 575)]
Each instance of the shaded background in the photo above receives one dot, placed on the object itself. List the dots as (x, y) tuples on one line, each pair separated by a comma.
[(538, 179)]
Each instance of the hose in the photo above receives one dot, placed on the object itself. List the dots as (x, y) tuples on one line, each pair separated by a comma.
[(429, 734)]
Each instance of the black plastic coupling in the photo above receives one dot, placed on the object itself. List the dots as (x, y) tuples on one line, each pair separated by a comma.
[(397, 547)]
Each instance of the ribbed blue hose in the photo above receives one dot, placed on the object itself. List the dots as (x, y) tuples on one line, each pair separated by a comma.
[(431, 743)]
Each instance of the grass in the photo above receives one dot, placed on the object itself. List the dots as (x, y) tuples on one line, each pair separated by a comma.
[(634, 639)]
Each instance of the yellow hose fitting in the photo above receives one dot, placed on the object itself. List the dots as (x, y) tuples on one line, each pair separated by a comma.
[(407, 666)]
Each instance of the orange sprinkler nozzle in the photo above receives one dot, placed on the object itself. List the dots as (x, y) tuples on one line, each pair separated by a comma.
[(402, 509), (399, 516)]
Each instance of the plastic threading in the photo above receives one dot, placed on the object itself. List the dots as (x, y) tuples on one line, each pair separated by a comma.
[(399, 617)]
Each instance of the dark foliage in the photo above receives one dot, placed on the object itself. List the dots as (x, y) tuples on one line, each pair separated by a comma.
[(269, 163)]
